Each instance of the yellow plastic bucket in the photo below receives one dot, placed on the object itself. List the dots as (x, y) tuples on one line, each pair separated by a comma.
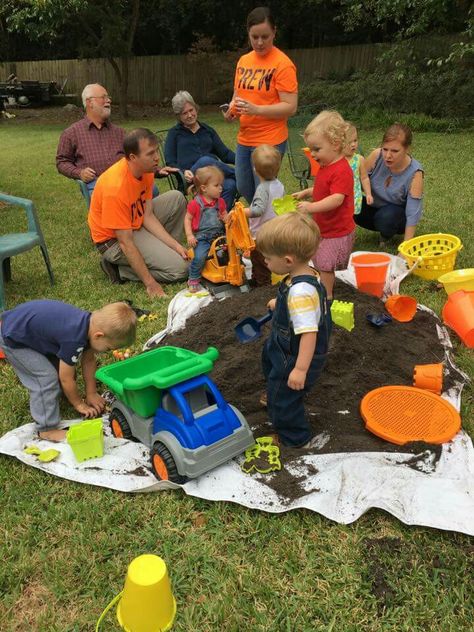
[(458, 280), (147, 603)]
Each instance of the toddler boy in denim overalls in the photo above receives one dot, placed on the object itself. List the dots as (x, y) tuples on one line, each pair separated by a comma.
[(295, 352)]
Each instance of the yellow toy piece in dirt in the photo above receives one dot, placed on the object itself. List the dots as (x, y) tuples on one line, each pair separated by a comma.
[(263, 457), (342, 314)]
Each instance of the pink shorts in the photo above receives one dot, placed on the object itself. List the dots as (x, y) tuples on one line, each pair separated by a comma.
[(333, 253)]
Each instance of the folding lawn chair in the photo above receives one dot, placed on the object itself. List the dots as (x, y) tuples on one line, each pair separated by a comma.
[(299, 164), (176, 180)]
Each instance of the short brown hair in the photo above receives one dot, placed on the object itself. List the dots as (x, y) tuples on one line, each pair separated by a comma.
[(330, 124), (291, 234), (267, 160), (398, 131), (131, 142), (118, 322)]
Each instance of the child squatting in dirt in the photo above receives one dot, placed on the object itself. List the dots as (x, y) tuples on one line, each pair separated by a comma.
[(43, 341), (295, 352)]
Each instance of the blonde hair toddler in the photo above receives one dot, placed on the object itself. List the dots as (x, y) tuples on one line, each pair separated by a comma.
[(332, 205)]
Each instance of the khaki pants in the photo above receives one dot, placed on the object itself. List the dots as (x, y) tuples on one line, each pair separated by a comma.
[(164, 264)]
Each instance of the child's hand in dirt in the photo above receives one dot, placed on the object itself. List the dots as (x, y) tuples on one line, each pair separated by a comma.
[(272, 304), (88, 412), (192, 241), (96, 401), (297, 379)]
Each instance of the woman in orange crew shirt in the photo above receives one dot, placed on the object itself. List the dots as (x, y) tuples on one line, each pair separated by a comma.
[(265, 96)]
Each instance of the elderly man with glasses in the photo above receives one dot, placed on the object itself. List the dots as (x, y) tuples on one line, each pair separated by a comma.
[(89, 147)]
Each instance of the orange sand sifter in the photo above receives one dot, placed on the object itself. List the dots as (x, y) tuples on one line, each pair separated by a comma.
[(401, 414)]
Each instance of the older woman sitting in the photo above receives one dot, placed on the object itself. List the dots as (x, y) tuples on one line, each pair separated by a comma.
[(191, 144)]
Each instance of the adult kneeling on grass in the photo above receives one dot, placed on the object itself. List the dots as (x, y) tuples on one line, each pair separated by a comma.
[(138, 237), (396, 181)]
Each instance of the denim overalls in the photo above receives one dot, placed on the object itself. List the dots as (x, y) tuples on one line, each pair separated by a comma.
[(210, 227), (284, 404)]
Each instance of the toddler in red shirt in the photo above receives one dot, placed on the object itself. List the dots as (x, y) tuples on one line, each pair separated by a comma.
[(333, 195)]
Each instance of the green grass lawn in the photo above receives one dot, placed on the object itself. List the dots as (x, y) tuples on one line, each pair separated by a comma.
[(65, 547)]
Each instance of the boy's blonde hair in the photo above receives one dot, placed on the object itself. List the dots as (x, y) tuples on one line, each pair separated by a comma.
[(267, 160), (293, 234), (204, 174), (118, 323), (331, 125)]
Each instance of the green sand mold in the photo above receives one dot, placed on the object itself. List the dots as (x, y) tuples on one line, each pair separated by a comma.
[(86, 439)]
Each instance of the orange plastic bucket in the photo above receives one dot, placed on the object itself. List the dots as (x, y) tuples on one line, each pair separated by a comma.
[(371, 272), (429, 377), (401, 307), (458, 313)]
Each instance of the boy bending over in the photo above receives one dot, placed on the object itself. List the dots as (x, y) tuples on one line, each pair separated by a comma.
[(295, 352), (43, 341)]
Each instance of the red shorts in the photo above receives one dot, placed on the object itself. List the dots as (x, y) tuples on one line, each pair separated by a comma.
[(333, 253)]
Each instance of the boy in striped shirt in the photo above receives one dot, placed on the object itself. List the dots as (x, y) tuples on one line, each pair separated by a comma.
[(295, 352)]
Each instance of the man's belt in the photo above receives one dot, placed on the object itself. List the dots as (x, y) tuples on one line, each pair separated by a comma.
[(105, 245)]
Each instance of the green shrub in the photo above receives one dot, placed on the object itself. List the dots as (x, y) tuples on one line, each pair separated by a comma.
[(404, 84)]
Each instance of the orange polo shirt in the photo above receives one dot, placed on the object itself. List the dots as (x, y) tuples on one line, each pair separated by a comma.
[(118, 201), (259, 80)]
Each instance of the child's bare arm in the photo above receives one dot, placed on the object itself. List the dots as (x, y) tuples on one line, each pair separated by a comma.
[(191, 239), (89, 367), (365, 182), (329, 203), (297, 377), (302, 195), (67, 377)]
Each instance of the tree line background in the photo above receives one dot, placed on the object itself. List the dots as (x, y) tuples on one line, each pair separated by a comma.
[(435, 79)]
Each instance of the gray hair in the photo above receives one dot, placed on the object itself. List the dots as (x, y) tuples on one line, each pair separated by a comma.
[(87, 93), (179, 101)]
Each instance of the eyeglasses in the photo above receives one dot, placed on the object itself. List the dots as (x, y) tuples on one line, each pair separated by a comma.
[(103, 97)]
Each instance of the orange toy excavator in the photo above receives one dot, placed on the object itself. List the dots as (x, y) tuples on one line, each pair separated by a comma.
[(224, 262)]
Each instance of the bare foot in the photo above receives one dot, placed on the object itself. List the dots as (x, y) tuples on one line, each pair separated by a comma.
[(56, 435)]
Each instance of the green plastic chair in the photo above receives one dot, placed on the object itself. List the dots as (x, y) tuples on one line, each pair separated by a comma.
[(86, 194), (15, 243)]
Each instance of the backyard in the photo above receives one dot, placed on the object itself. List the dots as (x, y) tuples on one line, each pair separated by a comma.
[(65, 547)]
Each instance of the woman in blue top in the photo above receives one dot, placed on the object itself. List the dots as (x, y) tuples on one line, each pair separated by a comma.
[(396, 181), (191, 145)]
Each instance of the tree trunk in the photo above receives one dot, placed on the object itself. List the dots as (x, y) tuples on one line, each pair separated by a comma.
[(122, 80)]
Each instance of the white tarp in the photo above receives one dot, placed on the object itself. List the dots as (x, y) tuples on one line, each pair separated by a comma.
[(342, 487)]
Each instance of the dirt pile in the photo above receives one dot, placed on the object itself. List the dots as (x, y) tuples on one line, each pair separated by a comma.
[(359, 361)]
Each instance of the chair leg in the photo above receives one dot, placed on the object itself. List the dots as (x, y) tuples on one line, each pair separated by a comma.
[(45, 254), (2, 290), (7, 269)]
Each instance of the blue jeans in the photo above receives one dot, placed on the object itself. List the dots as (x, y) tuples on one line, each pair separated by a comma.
[(247, 179), (229, 186), (388, 220), (200, 255)]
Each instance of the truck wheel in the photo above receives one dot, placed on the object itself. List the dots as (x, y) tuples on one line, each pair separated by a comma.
[(163, 465), (119, 425)]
